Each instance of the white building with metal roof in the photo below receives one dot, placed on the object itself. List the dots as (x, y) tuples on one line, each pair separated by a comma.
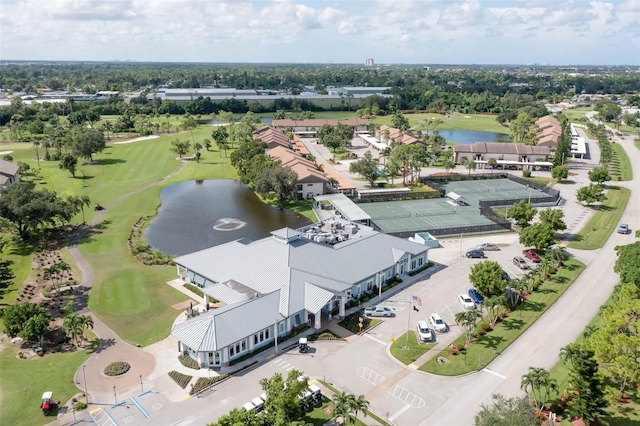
[(273, 285)]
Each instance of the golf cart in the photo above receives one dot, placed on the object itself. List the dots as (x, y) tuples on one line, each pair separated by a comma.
[(303, 347), (48, 403)]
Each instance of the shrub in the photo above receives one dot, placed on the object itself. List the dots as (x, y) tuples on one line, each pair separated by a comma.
[(188, 362), (205, 382), (79, 406), (194, 289), (117, 368), (181, 379), (526, 173), (324, 335)]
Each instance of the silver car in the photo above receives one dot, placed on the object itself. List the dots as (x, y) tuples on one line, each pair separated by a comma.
[(378, 311)]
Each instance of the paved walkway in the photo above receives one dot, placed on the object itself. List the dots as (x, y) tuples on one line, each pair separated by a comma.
[(112, 348)]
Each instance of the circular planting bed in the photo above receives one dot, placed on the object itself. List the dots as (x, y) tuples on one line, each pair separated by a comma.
[(117, 368)]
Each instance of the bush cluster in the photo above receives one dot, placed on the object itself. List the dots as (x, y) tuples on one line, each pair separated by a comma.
[(117, 368), (205, 382), (79, 406), (324, 335), (188, 362), (181, 379)]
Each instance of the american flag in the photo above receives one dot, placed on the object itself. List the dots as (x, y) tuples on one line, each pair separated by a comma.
[(416, 300)]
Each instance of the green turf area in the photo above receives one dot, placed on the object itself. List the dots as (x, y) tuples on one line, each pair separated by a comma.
[(621, 163), (542, 180), (131, 298), (481, 352), (454, 122), (24, 381), (605, 220), (407, 349), (637, 143), (629, 130), (575, 116)]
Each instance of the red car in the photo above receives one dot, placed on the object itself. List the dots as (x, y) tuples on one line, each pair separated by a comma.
[(532, 255)]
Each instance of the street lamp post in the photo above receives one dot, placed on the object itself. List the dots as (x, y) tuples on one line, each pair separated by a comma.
[(115, 396), (84, 377), (141, 385)]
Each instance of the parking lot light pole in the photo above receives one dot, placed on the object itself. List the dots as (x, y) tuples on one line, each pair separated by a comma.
[(115, 396), (141, 386), (84, 377)]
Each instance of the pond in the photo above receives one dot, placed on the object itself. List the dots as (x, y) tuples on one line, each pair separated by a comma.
[(471, 136), (196, 215), (216, 121)]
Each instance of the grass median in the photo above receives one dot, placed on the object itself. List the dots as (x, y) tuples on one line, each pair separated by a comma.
[(485, 348), (407, 349), (621, 163), (597, 231)]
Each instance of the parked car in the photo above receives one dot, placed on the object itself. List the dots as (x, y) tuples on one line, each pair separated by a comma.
[(488, 247), (505, 276), (437, 322), (466, 302), (423, 332), (532, 255), (623, 228), (520, 262), (475, 254), (475, 296), (378, 311)]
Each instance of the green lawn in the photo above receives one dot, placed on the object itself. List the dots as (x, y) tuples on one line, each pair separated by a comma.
[(24, 381), (481, 352), (630, 130), (455, 122), (542, 180), (597, 231), (574, 116), (637, 142), (414, 350), (621, 163)]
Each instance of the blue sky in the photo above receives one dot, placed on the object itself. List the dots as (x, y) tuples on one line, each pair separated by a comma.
[(321, 31)]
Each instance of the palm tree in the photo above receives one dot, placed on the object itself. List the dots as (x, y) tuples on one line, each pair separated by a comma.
[(357, 404), (468, 320), (538, 384), (81, 201), (36, 144), (385, 153), (492, 162), (557, 255), (86, 321), (448, 165), (72, 325), (342, 406)]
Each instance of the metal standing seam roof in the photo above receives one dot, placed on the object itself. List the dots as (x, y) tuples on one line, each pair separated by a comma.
[(221, 327), (348, 208)]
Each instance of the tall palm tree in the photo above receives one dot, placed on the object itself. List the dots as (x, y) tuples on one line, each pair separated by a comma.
[(538, 384), (342, 406), (492, 162), (86, 321), (72, 325), (357, 404), (557, 254)]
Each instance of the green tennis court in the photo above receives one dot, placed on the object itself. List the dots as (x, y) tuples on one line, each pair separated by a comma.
[(439, 213)]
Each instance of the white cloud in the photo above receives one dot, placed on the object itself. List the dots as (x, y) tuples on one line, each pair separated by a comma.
[(304, 30)]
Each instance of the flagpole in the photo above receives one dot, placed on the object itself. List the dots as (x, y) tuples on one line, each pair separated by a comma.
[(406, 344)]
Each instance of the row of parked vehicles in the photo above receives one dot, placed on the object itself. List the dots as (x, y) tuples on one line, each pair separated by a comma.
[(308, 399)]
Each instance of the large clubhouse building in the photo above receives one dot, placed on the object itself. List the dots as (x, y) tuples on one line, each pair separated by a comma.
[(294, 277)]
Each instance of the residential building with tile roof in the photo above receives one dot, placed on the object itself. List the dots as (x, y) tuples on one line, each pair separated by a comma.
[(550, 131), (293, 278), (395, 135), (508, 155), (9, 173)]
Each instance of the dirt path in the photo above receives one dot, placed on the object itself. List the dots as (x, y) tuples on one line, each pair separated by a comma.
[(112, 347)]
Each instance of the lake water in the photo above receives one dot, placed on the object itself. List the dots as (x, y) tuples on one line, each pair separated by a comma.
[(262, 120), (471, 136), (196, 215)]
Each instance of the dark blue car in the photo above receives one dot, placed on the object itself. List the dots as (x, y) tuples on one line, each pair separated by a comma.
[(475, 296)]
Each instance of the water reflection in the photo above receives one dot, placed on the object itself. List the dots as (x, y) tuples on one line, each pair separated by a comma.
[(195, 215)]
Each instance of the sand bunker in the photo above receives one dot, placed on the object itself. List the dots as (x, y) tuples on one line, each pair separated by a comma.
[(140, 139)]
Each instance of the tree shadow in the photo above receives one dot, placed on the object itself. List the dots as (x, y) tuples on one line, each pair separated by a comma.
[(84, 177), (104, 344), (530, 306), (547, 290), (22, 249), (108, 161), (89, 233), (512, 323), (490, 340)]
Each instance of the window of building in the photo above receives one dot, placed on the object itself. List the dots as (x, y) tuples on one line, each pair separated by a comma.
[(420, 261), (369, 285), (413, 264), (237, 348), (309, 184), (299, 187)]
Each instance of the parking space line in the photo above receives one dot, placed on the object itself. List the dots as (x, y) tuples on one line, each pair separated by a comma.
[(399, 412), (407, 397), (367, 373), (374, 339), (142, 410), (494, 373), (290, 368)]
